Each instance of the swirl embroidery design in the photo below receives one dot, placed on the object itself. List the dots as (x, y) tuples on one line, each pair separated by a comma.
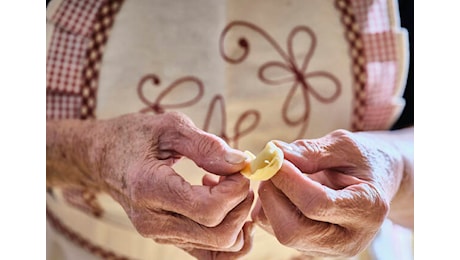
[(251, 117), (218, 101), (156, 106), (298, 76)]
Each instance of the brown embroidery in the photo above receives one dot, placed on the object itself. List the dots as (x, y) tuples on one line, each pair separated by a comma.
[(298, 74), (156, 106), (80, 241), (218, 101), (83, 199), (93, 57)]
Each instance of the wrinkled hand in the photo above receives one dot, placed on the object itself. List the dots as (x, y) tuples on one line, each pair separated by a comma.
[(331, 195), (137, 152)]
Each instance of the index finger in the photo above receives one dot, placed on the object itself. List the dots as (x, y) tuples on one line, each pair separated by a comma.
[(160, 187), (336, 150), (344, 206)]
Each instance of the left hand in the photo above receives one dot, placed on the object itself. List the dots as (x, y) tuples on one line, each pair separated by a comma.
[(331, 195)]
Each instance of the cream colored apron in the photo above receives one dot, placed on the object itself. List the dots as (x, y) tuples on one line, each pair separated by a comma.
[(248, 71)]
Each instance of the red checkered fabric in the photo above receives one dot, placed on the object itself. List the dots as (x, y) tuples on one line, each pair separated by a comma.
[(380, 51), (62, 106), (380, 46), (65, 62), (372, 15), (378, 37), (102, 25), (76, 16), (72, 22)]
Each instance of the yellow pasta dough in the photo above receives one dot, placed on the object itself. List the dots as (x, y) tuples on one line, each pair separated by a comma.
[(265, 165)]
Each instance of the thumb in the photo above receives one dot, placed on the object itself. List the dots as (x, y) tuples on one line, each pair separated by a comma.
[(214, 155), (208, 151), (211, 153)]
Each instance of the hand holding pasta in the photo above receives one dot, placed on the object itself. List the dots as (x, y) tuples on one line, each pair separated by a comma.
[(134, 165), (332, 194)]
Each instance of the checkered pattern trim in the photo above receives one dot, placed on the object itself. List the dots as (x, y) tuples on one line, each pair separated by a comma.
[(64, 66), (375, 88), (354, 38), (80, 34), (93, 56), (72, 21), (73, 61)]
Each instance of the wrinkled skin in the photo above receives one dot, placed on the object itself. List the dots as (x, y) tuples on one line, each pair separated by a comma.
[(329, 198), (333, 193), (131, 158)]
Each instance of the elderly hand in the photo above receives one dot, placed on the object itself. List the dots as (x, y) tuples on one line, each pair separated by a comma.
[(332, 194), (132, 156)]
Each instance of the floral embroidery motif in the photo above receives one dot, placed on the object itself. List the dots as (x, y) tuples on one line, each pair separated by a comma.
[(157, 106), (218, 101), (298, 76)]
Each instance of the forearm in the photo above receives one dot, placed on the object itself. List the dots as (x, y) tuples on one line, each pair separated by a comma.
[(69, 160)]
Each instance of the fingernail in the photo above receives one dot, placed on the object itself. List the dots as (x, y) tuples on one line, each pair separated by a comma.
[(235, 157)]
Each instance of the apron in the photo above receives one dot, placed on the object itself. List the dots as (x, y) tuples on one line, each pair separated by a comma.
[(247, 71)]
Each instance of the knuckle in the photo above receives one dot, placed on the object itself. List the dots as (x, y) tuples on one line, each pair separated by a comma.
[(143, 227), (174, 116), (136, 192), (340, 133), (379, 205), (212, 218), (315, 207), (226, 239), (383, 209), (309, 146), (343, 135), (286, 235), (375, 207), (177, 121), (346, 139), (212, 213), (346, 144)]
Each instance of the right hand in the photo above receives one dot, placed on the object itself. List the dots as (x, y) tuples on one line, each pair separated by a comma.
[(332, 194)]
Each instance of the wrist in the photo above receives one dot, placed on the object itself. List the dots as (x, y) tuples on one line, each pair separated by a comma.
[(400, 181), (402, 204), (69, 154)]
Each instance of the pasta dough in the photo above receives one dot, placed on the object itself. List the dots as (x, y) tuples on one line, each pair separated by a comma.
[(265, 165)]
